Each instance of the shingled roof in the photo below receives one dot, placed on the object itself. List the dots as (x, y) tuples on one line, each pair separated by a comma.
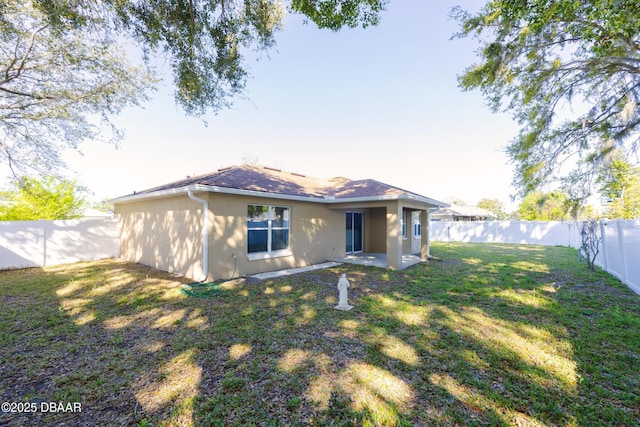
[(275, 181), (464, 211)]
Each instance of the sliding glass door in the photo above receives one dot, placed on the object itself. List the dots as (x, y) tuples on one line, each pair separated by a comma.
[(354, 236)]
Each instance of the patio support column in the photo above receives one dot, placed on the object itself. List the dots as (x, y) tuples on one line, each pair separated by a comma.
[(424, 236), (394, 236)]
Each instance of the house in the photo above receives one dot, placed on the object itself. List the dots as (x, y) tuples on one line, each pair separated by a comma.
[(462, 213), (248, 219)]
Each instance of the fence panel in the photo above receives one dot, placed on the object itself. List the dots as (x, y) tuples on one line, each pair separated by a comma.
[(619, 250), (611, 246), (630, 232), (565, 233), (41, 243)]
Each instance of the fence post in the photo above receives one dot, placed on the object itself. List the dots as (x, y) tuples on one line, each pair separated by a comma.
[(43, 224), (621, 246), (604, 245), (574, 232)]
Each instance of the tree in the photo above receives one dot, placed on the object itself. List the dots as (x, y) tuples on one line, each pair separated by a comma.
[(60, 65), (105, 205), (619, 184), (58, 86), (494, 206), (569, 71), (538, 206), (455, 201), (34, 199), (590, 242), (205, 39)]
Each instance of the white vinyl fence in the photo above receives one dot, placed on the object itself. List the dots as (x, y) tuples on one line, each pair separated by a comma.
[(619, 250), (41, 243)]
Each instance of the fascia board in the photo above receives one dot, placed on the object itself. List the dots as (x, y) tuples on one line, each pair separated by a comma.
[(224, 190), (422, 200), (427, 200), (211, 189), (159, 194)]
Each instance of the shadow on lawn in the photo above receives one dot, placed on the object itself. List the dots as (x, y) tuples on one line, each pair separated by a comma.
[(413, 351), (546, 343), (104, 334), (494, 337)]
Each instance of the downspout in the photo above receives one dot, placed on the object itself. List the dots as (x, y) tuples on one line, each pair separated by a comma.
[(205, 234)]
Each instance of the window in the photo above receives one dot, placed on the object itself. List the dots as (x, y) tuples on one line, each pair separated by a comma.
[(417, 226), (267, 229), (404, 224)]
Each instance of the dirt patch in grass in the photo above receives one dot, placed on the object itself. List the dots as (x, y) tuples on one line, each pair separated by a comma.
[(479, 338)]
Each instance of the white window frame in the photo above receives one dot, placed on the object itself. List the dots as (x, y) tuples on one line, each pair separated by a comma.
[(269, 253)]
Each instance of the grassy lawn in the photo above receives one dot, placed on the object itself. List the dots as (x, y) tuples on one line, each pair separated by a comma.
[(485, 335)]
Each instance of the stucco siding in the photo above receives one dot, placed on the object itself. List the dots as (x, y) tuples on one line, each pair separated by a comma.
[(166, 233), (406, 240), (375, 230), (316, 235), (163, 233)]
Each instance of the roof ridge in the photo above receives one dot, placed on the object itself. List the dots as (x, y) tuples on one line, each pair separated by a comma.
[(208, 174), (392, 186)]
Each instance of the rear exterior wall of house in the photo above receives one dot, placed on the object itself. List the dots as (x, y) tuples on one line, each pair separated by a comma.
[(164, 233), (316, 234)]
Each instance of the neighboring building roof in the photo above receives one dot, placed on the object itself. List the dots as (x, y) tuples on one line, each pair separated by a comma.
[(464, 211), (274, 182)]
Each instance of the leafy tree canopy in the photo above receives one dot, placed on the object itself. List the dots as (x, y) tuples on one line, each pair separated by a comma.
[(58, 86), (619, 184), (494, 206), (569, 71), (205, 39), (105, 205), (61, 65), (456, 201), (538, 206), (34, 199)]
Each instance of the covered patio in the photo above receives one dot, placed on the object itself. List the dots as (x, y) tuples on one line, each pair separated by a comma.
[(386, 233)]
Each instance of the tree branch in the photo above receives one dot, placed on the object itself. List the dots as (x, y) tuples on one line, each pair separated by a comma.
[(18, 72)]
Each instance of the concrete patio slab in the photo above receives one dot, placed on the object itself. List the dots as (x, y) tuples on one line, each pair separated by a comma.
[(377, 259), (368, 259), (282, 273)]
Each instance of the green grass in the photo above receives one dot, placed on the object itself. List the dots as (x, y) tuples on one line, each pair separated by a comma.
[(485, 334)]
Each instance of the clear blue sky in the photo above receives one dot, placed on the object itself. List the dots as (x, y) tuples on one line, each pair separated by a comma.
[(379, 103)]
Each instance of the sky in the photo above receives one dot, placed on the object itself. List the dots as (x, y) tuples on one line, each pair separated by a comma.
[(380, 103)]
